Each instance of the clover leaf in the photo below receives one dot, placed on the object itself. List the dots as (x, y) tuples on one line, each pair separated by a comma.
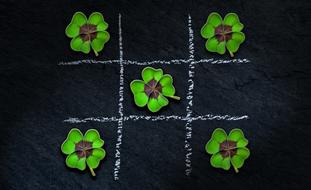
[(88, 33), (83, 150), (223, 33), (227, 149), (153, 89)]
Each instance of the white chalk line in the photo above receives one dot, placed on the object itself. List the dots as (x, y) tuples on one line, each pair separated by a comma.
[(74, 120), (121, 98), (188, 126), (160, 62), (89, 119)]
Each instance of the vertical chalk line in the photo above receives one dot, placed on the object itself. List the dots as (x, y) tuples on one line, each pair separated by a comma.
[(121, 98), (188, 126)]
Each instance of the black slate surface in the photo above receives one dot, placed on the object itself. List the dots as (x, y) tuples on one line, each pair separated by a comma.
[(36, 95)]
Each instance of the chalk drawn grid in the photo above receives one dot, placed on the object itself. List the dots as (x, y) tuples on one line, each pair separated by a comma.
[(188, 118)]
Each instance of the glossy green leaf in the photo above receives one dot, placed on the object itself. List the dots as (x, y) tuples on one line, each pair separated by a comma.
[(219, 135), (162, 100), (211, 44), (98, 143), (76, 44), (158, 74), (237, 27), (153, 105), (141, 99), (137, 86), (231, 19), (75, 135), (208, 31), (237, 161), (221, 48), (103, 36), (238, 136), (166, 80), (226, 163), (92, 162), (72, 30), (86, 47), (212, 146), (232, 45), (238, 37), (99, 153), (79, 19), (68, 147), (95, 18), (216, 160), (102, 26), (73, 161), (214, 19), (243, 152), (91, 135), (168, 90), (97, 44), (235, 134), (147, 74), (242, 142), (150, 73)]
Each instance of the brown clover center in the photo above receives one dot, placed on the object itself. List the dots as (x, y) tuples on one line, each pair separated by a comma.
[(223, 32), (83, 149), (228, 148), (153, 89), (88, 32)]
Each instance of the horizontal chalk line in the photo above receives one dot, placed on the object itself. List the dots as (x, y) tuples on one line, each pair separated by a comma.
[(161, 62), (156, 118)]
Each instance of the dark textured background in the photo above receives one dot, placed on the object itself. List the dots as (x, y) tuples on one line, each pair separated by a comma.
[(36, 95)]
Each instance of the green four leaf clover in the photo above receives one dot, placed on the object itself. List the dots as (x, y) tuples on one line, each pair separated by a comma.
[(88, 33), (153, 89), (227, 149), (223, 33), (83, 150)]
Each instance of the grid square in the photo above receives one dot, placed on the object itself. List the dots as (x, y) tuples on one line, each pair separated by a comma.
[(225, 85), (107, 132), (159, 149), (202, 132), (167, 44), (93, 79), (175, 107)]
